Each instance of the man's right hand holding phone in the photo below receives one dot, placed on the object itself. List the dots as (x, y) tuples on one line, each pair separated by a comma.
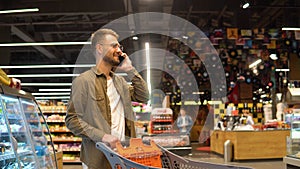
[(125, 63)]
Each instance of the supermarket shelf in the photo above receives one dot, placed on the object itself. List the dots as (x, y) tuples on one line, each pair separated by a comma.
[(292, 161), (67, 140), (70, 151), (6, 156), (59, 131), (164, 131), (158, 120), (61, 135), (55, 121), (11, 155), (71, 161), (54, 112)]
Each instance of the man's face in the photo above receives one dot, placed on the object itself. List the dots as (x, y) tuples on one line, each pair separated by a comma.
[(111, 50), (182, 112)]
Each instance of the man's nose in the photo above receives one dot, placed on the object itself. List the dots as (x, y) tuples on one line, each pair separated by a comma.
[(119, 51)]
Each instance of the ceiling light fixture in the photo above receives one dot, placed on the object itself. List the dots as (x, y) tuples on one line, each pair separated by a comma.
[(50, 94), (147, 50), (53, 97), (135, 38), (42, 44), (44, 75), (282, 70), (273, 56), (45, 66), (255, 63), (54, 90), (46, 84), (19, 10), (290, 29), (51, 84), (51, 75), (245, 4)]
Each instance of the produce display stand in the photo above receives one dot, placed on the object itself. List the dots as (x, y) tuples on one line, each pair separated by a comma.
[(167, 159)]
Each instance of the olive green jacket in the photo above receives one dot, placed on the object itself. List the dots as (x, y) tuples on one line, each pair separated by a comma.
[(89, 114)]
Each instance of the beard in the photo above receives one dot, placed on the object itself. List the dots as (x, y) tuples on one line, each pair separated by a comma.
[(111, 60)]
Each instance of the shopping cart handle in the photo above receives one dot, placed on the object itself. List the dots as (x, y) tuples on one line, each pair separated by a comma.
[(107, 144)]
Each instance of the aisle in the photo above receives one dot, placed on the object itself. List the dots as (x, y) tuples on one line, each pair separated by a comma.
[(208, 156)]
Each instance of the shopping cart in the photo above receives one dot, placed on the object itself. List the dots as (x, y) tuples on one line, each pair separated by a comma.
[(168, 160)]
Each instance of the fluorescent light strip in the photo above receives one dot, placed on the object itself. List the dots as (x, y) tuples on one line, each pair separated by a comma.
[(44, 75), (19, 10), (42, 44), (290, 29), (46, 84), (53, 97), (246, 5), (273, 56), (282, 70), (147, 47), (51, 94), (255, 63), (198, 93), (45, 66), (51, 84), (54, 90), (53, 75)]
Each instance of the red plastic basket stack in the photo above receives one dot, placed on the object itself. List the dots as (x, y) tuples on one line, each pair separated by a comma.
[(148, 155)]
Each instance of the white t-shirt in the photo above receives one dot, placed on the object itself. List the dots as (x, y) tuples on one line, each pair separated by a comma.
[(184, 123), (117, 111)]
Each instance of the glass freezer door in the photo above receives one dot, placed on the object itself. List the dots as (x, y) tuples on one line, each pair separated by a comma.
[(34, 120), (19, 149)]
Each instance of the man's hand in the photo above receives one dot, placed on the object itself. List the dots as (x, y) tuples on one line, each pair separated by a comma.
[(126, 64), (112, 140)]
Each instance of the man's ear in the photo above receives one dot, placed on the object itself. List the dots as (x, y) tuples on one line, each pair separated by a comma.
[(99, 49)]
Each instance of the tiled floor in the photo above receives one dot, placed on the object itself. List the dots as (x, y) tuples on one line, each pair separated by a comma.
[(205, 156)]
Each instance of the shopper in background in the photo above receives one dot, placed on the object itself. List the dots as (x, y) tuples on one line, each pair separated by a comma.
[(184, 121), (100, 106)]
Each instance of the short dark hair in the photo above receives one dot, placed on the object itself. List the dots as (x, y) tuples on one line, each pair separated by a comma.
[(183, 108), (99, 35)]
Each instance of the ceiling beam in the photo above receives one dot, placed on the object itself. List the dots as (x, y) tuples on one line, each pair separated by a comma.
[(27, 38)]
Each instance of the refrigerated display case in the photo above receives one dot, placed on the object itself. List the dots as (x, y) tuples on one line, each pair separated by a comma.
[(292, 160), (23, 144), (177, 143), (161, 121)]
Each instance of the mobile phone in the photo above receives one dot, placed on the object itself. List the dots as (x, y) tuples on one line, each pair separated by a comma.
[(121, 58)]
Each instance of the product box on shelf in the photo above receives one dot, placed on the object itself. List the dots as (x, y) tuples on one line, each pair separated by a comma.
[(59, 159)]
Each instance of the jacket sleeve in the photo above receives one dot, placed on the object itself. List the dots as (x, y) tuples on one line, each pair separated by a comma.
[(191, 122), (138, 89), (75, 112)]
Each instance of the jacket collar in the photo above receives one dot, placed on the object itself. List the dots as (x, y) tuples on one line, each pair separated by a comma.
[(99, 73)]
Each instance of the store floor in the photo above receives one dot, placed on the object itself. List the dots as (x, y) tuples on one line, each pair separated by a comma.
[(207, 156)]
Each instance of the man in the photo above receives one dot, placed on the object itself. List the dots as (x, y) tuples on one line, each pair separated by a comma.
[(100, 106), (184, 121)]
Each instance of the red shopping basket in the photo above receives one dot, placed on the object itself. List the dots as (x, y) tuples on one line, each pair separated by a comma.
[(148, 155)]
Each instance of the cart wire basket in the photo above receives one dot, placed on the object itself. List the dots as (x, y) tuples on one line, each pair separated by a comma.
[(152, 156)]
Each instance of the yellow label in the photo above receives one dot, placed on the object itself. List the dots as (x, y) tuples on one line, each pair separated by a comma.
[(240, 105), (259, 115), (259, 105)]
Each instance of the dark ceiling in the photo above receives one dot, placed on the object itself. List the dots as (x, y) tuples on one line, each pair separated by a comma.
[(75, 20)]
